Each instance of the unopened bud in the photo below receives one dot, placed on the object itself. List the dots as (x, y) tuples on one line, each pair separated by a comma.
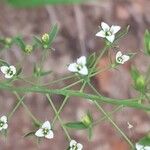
[(28, 48), (45, 38)]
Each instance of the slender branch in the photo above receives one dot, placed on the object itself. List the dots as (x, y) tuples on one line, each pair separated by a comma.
[(109, 118), (61, 122)]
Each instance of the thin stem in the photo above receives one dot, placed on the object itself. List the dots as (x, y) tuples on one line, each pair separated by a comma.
[(27, 109), (16, 107), (109, 118), (114, 124), (59, 80), (99, 57), (73, 84), (110, 114), (64, 102), (61, 122)]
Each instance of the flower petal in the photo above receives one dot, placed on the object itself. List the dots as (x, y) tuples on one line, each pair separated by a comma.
[(4, 69), (46, 125), (125, 58), (79, 146), (81, 60), (3, 119), (39, 133), (83, 71), (114, 29), (13, 69), (101, 34), (119, 54), (5, 126), (110, 38), (73, 67), (72, 143), (105, 26), (142, 147), (8, 76), (50, 135)]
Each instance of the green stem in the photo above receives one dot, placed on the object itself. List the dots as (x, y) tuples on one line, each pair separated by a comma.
[(131, 102), (114, 124), (56, 113), (99, 57), (59, 80), (73, 84), (16, 107), (64, 102), (110, 114), (109, 118), (27, 109)]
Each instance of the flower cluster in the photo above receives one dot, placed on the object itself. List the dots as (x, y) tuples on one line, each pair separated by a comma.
[(82, 67)]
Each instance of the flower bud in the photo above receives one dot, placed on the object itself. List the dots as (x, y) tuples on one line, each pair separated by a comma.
[(8, 41), (45, 38), (140, 83), (28, 48), (87, 120)]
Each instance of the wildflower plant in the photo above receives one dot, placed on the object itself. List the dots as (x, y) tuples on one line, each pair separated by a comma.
[(83, 70)]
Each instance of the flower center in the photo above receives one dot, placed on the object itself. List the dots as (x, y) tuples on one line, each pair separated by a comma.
[(108, 33), (120, 59), (45, 131), (74, 147), (1, 124), (10, 72), (79, 67)]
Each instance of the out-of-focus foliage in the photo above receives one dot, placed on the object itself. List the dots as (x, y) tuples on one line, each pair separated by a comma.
[(147, 42), (32, 3)]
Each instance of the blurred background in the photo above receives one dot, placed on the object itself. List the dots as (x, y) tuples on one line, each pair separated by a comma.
[(77, 27)]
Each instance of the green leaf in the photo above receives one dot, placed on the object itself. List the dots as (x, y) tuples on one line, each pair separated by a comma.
[(20, 43), (76, 125), (19, 71), (2, 62), (145, 140), (52, 34), (134, 73), (32, 3), (90, 132), (91, 60), (139, 80), (147, 42), (38, 41)]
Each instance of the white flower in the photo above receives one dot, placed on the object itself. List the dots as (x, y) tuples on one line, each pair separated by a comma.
[(75, 146), (141, 147), (3, 123), (130, 126), (8, 71), (45, 131), (120, 58), (79, 67), (108, 32)]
